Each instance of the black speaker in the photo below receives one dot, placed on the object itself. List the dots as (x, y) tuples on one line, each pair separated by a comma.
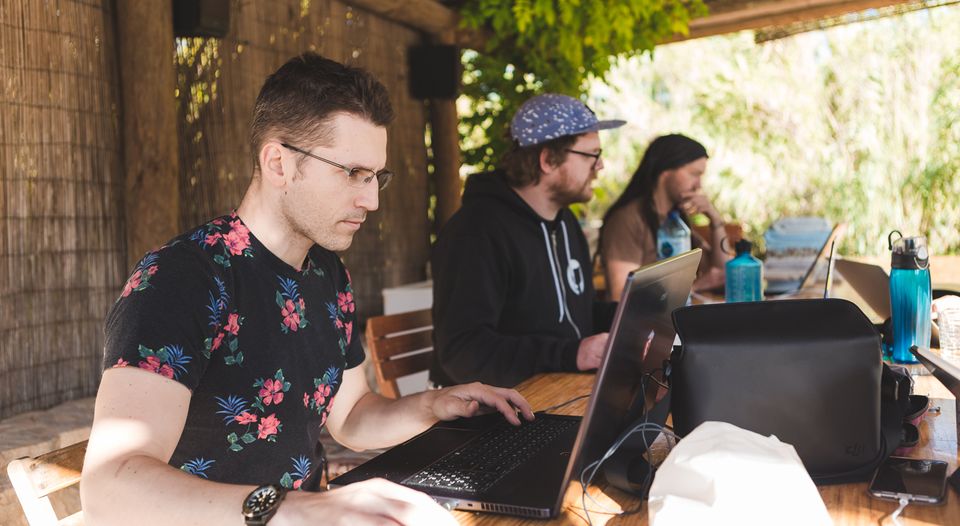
[(434, 71), (201, 18)]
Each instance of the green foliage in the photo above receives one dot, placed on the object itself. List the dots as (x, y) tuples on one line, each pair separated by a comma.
[(858, 123), (538, 46)]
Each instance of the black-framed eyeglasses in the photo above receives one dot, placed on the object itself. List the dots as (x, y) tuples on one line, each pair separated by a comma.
[(596, 156), (356, 177)]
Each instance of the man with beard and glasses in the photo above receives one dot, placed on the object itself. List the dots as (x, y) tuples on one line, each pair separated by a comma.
[(228, 346), (513, 294)]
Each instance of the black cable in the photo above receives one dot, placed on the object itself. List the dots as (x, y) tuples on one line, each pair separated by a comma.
[(568, 402)]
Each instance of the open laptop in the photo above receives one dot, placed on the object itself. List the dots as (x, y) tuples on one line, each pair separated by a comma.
[(787, 287), (486, 464), (872, 283)]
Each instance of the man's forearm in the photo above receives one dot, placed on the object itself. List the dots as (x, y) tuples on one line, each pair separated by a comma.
[(377, 422), (145, 491)]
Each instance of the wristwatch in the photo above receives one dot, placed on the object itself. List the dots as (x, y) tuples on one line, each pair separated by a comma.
[(261, 504)]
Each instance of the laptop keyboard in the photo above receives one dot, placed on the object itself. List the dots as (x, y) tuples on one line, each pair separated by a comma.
[(481, 462)]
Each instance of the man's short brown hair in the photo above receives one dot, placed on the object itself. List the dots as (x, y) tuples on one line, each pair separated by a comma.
[(522, 163), (297, 102)]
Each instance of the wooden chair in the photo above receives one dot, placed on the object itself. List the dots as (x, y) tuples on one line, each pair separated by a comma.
[(400, 345), (35, 479)]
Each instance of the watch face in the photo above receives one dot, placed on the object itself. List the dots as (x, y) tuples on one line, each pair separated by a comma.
[(261, 500)]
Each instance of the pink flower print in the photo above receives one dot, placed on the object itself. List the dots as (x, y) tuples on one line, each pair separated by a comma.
[(321, 394), (291, 318), (238, 238), (153, 364), (233, 324), (216, 342), (345, 302), (349, 328), (212, 239), (132, 283), (306, 400), (121, 363), (292, 321), (152, 270), (246, 418), (297, 483), (268, 426), (272, 391), (323, 415)]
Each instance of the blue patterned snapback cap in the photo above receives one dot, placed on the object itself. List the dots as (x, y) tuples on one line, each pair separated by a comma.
[(550, 116)]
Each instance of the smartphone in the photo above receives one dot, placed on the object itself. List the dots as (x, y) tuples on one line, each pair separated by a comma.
[(918, 480)]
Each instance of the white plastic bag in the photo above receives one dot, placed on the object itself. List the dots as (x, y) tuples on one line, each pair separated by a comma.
[(722, 474)]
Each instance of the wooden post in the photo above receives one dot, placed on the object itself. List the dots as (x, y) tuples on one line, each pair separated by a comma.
[(446, 157), (149, 126), (445, 142)]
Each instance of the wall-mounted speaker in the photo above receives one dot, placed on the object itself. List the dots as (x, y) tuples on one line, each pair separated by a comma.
[(434, 71), (201, 18)]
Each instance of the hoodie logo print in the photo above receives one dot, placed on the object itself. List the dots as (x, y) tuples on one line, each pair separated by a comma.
[(575, 276)]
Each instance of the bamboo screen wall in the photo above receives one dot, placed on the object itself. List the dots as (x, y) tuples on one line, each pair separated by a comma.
[(62, 254), (61, 224), (218, 82)]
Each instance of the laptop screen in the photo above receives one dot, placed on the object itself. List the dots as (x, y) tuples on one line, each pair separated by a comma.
[(641, 340)]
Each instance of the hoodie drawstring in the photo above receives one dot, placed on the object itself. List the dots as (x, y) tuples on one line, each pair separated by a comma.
[(553, 252), (553, 270), (574, 269)]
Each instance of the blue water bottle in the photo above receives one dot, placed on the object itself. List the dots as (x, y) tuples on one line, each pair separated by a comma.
[(673, 236), (744, 275), (909, 295)]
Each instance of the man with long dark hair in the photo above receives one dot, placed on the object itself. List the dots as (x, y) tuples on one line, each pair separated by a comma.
[(513, 294), (668, 178)]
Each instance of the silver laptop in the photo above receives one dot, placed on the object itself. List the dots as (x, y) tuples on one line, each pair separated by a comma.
[(872, 283), (784, 288), (486, 464)]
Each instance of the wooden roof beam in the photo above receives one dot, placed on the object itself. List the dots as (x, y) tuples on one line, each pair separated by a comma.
[(428, 16), (728, 16)]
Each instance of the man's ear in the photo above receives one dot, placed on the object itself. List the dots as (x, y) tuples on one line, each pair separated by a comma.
[(271, 164), (545, 166)]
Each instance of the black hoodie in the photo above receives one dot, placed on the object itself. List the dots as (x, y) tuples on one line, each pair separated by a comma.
[(512, 292)]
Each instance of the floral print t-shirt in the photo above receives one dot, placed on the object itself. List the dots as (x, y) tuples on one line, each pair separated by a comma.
[(261, 345)]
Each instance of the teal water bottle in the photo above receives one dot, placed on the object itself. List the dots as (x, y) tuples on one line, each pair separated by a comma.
[(909, 295), (744, 275), (673, 236)]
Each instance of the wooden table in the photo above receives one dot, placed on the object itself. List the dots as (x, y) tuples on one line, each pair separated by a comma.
[(848, 504)]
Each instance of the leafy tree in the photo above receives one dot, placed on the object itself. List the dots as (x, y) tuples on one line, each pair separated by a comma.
[(857, 123), (538, 46)]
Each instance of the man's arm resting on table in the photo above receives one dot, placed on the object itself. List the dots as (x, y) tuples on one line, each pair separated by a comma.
[(126, 479), (361, 419)]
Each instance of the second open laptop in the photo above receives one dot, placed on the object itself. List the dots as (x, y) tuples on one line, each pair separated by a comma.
[(787, 288), (485, 464)]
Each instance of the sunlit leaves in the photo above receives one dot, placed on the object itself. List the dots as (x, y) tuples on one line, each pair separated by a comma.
[(537, 46)]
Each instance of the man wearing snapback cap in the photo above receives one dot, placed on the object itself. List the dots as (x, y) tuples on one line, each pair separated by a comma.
[(513, 294)]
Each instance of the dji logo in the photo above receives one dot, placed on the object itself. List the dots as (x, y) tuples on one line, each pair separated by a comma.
[(854, 450)]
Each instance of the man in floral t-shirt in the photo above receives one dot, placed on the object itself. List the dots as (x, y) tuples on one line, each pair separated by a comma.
[(228, 346)]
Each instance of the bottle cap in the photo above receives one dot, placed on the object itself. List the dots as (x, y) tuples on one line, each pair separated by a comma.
[(909, 253), (742, 246)]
